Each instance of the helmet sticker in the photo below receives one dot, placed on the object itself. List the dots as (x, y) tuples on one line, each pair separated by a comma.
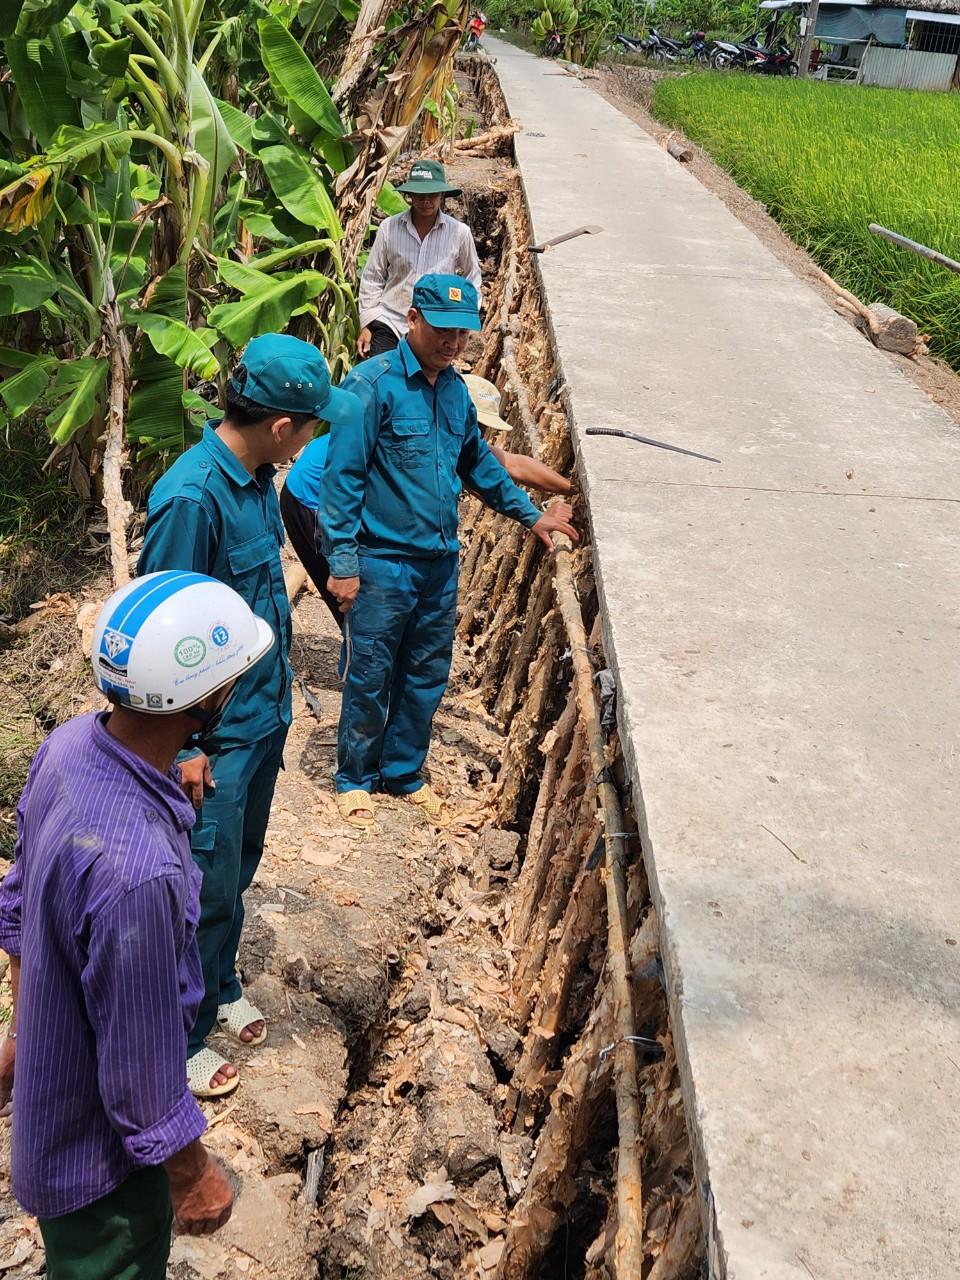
[(219, 635), (190, 651), (116, 646), (154, 702)]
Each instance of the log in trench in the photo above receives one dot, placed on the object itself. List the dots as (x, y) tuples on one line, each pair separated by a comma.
[(546, 1125)]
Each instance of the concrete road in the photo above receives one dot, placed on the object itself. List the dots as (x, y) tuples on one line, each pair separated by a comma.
[(785, 631)]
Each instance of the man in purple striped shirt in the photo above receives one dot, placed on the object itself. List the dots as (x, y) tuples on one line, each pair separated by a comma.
[(99, 915)]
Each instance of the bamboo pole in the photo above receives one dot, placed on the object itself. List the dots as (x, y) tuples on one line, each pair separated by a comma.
[(628, 1248)]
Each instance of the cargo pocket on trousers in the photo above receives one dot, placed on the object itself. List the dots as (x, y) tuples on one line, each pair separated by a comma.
[(203, 840), (357, 654)]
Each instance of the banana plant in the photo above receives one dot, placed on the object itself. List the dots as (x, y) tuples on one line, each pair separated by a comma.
[(561, 17), (176, 178), (103, 93)]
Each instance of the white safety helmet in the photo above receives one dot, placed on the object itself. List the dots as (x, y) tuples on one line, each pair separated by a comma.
[(167, 640)]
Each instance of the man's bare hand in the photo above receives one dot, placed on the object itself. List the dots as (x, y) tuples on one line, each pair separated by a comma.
[(200, 1190), (555, 519), (345, 590), (8, 1057), (364, 338), (195, 774)]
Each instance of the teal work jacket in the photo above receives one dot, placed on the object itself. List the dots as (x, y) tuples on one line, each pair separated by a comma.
[(210, 515), (391, 488)]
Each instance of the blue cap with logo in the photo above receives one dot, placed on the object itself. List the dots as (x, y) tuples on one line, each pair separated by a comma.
[(283, 372), (447, 302)]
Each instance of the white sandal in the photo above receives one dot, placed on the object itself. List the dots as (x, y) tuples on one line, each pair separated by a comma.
[(201, 1069), (234, 1018)]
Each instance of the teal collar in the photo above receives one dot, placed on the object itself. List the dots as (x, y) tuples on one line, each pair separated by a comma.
[(229, 463), (413, 366)]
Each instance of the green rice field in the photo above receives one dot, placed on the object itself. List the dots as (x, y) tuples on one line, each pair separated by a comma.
[(827, 160)]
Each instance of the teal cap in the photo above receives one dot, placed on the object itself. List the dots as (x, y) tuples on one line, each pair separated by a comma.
[(279, 371), (447, 302)]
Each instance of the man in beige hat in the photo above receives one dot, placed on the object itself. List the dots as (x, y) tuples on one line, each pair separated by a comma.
[(521, 468), (407, 246)]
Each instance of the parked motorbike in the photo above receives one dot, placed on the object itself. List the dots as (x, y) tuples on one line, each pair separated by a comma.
[(631, 44), (750, 55), (725, 55), (662, 48), (695, 46), (692, 48), (776, 61)]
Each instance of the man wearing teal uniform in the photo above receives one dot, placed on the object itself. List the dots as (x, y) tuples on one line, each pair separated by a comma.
[(216, 512), (388, 511)]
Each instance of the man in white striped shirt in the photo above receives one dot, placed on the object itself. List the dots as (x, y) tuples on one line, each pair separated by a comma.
[(420, 242)]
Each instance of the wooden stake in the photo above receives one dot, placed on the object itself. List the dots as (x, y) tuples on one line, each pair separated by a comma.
[(536, 866), (518, 669), (570, 853), (628, 1251), (581, 920)]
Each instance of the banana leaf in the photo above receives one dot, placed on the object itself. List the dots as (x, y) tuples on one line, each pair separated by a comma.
[(296, 80), (239, 125), (267, 310), (156, 416), (10, 358), (211, 139), (9, 17), (85, 150), (390, 200), (82, 381), (241, 277), (41, 69), (33, 17), (111, 58), (21, 391), (187, 348), (25, 286), (299, 188)]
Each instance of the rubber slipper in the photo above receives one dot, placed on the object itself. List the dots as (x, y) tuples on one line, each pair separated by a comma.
[(349, 803), (428, 800), (235, 1017), (201, 1069)]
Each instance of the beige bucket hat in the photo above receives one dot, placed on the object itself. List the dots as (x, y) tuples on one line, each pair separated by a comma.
[(486, 400)]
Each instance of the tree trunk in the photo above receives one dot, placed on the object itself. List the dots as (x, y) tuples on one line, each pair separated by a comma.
[(118, 509), (892, 331)]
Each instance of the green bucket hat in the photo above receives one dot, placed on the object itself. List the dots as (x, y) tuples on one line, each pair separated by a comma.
[(427, 178)]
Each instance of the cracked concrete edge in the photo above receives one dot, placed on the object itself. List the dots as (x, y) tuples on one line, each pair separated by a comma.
[(716, 1253)]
